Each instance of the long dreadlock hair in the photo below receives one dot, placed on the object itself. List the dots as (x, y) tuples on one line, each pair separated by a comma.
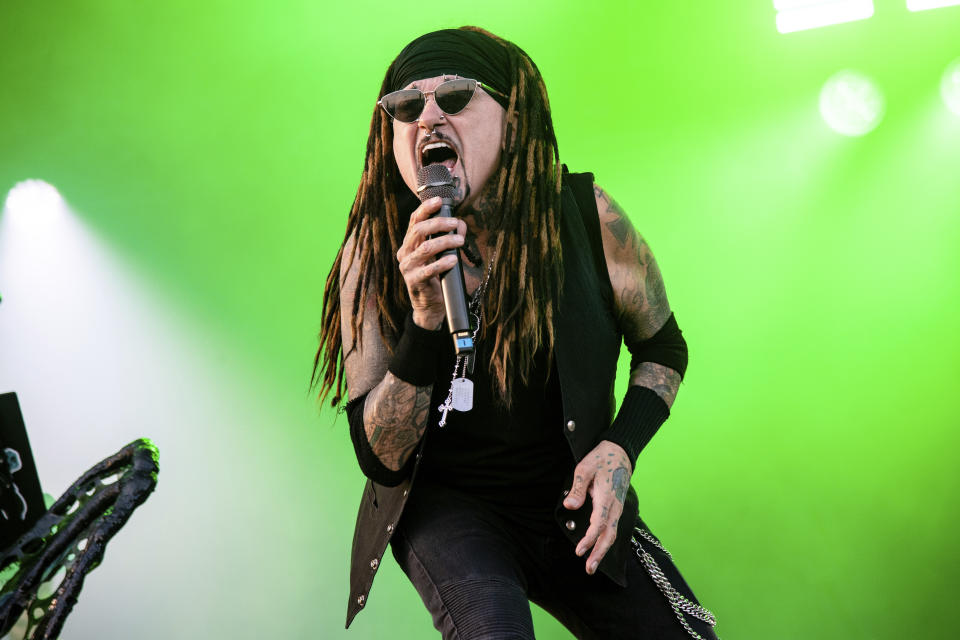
[(525, 283)]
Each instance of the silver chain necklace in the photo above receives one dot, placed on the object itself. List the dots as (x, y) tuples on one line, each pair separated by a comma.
[(460, 396)]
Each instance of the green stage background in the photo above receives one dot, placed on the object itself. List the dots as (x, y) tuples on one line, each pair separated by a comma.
[(208, 153)]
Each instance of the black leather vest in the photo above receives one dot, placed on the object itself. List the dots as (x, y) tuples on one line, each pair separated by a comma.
[(587, 348)]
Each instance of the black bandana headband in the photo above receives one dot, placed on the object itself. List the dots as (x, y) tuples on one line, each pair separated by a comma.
[(468, 54)]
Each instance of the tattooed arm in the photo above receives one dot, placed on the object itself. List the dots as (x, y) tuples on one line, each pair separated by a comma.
[(394, 417), (642, 309), (639, 294), (394, 412)]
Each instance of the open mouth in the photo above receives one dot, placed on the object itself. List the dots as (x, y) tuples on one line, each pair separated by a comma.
[(438, 153)]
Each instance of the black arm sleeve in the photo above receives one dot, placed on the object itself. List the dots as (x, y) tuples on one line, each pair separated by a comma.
[(666, 347), (640, 416), (643, 410), (415, 357)]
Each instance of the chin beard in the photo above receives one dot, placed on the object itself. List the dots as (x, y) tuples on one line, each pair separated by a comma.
[(461, 191)]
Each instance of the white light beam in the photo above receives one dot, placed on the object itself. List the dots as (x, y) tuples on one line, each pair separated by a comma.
[(923, 5), (800, 15)]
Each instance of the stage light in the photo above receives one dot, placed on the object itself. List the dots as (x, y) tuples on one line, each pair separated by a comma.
[(950, 86), (798, 15), (851, 104), (921, 5), (33, 195), (34, 202)]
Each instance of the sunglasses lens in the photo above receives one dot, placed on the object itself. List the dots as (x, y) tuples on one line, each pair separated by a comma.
[(405, 105), (454, 95)]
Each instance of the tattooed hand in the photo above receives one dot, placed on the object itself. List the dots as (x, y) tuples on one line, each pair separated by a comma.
[(605, 474)]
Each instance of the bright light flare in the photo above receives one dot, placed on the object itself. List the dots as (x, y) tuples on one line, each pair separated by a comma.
[(799, 15), (34, 198), (950, 86), (922, 5), (851, 104), (34, 209)]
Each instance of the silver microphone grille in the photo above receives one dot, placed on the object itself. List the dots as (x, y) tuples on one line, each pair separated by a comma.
[(434, 180)]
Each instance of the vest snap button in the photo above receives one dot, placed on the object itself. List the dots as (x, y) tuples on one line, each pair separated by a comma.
[(571, 425), (389, 528), (571, 525), (374, 564), (361, 599)]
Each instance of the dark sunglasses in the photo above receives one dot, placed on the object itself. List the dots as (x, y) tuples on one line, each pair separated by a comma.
[(452, 97)]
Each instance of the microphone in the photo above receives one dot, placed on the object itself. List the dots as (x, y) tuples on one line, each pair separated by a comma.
[(435, 180)]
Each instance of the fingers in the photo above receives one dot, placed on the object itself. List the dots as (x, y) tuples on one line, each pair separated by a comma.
[(601, 532), (606, 533), (437, 245), (427, 212), (419, 274), (582, 477), (422, 226), (594, 475), (426, 209), (421, 231), (422, 258)]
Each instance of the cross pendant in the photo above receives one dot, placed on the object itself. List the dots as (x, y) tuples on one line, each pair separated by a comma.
[(444, 410)]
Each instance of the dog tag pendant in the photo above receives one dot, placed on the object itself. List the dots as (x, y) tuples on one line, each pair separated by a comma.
[(462, 394)]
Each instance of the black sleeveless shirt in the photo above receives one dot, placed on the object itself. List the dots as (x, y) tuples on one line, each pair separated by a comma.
[(516, 461)]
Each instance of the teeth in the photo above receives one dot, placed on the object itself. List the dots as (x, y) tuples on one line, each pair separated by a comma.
[(434, 145)]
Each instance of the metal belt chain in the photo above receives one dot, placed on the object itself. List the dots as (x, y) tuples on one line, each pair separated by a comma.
[(680, 603)]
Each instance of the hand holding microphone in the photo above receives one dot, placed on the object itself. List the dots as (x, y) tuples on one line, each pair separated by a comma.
[(428, 251), (430, 259)]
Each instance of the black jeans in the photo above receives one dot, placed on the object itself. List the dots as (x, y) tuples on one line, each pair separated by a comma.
[(476, 572)]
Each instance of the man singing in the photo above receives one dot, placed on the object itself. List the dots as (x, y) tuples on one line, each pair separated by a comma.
[(505, 479)]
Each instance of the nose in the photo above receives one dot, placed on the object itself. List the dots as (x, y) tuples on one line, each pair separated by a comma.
[(432, 115)]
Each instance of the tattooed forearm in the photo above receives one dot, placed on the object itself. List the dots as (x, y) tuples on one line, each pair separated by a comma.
[(394, 417), (663, 380)]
